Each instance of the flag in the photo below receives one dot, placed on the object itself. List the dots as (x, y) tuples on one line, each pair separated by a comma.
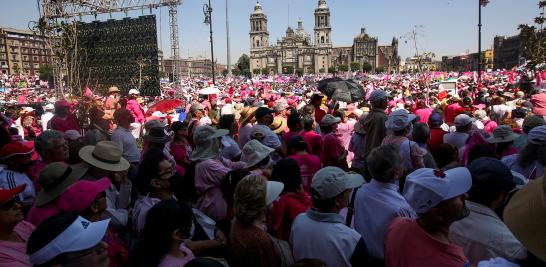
[(538, 78), (484, 2)]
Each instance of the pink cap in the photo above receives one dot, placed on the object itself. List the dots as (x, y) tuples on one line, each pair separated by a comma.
[(62, 103), (80, 195)]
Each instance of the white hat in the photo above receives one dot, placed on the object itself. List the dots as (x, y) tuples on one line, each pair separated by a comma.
[(328, 120), (206, 142), (331, 181), (462, 120), (49, 107), (425, 188), (159, 114), (28, 109), (399, 119), (134, 92), (80, 235), (274, 190), (254, 152)]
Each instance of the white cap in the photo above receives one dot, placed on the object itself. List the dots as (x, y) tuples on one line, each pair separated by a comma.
[(80, 235), (49, 107), (399, 119), (134, 92), (28, 109), (274, 189), (425, 188), (331, 181), (254, 152), (159, 114), (462, 120)]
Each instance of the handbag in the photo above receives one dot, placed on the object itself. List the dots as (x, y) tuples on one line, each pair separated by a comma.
[(284, 250)]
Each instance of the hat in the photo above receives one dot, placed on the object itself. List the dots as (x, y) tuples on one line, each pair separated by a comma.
[(49, 107), (8, 194), (537, 135), (55, 178), (359, 125), (435, 119), (330, 181), (82, 234), (329, 119), (153, 123), (246, 113), (157, 135), (502, 134), (62, 103), (462, 120), (273, 191), (196, 106), (278, 107), (399, 119), (377, 95), (254, 152), (278, 125), (425, 188), (480, 114), (262, 111), (28, 109), (316, 97), (113, 89), (81, 194), (525, 216), (159, 114), (206, 142), (72, 135), (490, 172), (15, 148), (531, 122), (105, 155), (134, 92)]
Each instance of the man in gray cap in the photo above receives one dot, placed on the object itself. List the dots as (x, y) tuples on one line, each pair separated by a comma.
[(197, 111), (374, 124), (321, 233)]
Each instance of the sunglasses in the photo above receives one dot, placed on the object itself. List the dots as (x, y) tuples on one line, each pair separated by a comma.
[(9, 204)]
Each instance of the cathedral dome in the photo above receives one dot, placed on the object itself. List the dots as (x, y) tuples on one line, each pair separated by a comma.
[(258, 8)]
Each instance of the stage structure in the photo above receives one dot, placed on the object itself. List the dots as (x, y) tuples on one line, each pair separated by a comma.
[(58, 23), (120, 53)]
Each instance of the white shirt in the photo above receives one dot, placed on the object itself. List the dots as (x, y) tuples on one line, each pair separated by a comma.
[(483, 235), (127, 142), (10, 179), (46, 117), (376, 205), (226, 109)]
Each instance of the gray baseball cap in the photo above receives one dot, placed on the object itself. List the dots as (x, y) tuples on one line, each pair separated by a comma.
[(330, 181)]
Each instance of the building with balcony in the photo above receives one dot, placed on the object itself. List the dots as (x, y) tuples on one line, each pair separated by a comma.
[(22, 52)]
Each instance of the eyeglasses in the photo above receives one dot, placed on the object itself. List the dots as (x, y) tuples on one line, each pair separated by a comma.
[(10, 203)]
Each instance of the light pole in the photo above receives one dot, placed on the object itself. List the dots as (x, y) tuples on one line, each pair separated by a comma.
[(227, 42), (207, 10), (480, 4)]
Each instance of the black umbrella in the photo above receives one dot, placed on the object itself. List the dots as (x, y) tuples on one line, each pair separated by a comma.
[(341, 90)]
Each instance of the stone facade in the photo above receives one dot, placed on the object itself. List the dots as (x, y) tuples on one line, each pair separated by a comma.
[(297, 51)]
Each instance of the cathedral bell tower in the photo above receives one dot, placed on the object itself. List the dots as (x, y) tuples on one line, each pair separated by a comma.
[(259, 36), (322, 25)]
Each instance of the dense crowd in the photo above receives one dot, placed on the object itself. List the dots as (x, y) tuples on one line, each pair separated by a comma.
[(272, 171)]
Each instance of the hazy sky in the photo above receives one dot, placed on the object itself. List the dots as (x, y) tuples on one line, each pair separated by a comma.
[(449, 26)]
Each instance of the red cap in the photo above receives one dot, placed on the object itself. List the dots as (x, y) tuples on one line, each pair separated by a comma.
[(15, 148), (270, 104), (227, 100), (8, 194), (62, 103)]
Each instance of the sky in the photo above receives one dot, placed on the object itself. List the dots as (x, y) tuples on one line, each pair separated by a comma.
[(446, 27)]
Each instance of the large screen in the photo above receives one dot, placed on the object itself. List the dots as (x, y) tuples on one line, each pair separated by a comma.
[(120, 53)]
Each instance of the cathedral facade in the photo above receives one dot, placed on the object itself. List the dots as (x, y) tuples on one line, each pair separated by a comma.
[(297, 50)]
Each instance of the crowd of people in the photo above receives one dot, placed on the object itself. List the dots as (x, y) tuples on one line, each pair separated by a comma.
[(270, 171)]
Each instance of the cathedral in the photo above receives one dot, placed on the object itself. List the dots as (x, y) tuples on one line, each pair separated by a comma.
[(298, 51)]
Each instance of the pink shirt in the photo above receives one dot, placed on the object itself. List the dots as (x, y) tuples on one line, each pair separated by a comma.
[(408, 245), (208, 176), (171, 261), (309, 164), (63, 125), (332, 148), (136, 110), (14, 254), (313, 140), (423, 114)]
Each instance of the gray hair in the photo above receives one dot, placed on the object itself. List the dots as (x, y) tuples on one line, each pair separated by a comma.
[(383, 162), (44, 141), (421, 133)]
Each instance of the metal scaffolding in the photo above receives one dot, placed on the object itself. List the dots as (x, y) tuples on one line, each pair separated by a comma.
[(57, 15)]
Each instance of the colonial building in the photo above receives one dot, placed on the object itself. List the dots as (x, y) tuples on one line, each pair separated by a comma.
[(507, 52), (297, 51), (22, 52)]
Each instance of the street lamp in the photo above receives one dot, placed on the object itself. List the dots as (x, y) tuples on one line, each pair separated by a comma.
[(207, 10)]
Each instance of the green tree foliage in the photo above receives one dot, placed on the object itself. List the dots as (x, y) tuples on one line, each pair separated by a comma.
[(533, 38), (342, 68), (366, 67), (243, 66), (355, 66)]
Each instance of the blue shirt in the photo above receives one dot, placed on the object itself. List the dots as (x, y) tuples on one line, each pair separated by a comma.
[(376, 205)]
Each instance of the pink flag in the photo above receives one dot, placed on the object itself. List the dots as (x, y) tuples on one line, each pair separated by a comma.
[(538, 78)]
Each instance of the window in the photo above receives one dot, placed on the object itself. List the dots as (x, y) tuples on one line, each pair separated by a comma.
[(35, 58), (322, 39), (36, 65), (25, 58)]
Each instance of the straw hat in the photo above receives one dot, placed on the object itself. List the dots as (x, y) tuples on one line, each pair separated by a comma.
[(206, 142), (525, 216), (55, 178), (247, 113), (278, 125), (502, 134), (113, 89), (254, 152), (105, 155)]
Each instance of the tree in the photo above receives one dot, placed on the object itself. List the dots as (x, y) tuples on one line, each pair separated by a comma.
[(299, 71), (380, 70), (343, 68), (331, 69), (321, 70), (224, 72), (355, 66), (533, 41), (162, 74), (46, 72), (366, 67), (243, 65), (256, 71), (287, 69), (265, 71), (16, 68)]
